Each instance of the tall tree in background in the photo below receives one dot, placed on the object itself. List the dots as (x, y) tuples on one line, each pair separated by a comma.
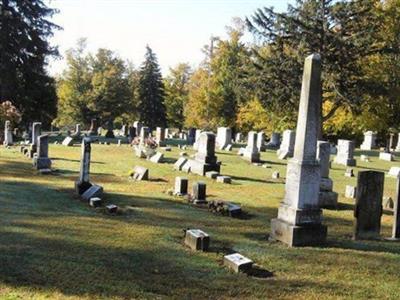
[(345, 33), (151, 92), (176, 94), (24, 46)]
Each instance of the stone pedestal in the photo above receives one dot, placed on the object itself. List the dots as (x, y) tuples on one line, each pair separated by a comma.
[(299, 221), (251, 153), (160, 136), (345, 153), (287, 146), (94, 127), (41, 160), (83, 183)]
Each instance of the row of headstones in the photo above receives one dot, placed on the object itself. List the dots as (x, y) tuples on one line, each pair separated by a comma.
[(38, 150)]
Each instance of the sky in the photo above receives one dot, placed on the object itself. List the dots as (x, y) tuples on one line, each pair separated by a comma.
[(176, 30)]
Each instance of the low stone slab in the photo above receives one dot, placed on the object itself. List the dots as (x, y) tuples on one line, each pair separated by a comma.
[(228, 147), (95, 202), (212, 174), (197, 239), (140, 173), (112, 208), (44, 171), (275, 175), (234, 210), (237, 262), (349, 172), (157, 158), (179, 163), (68, 141), (95, 191), (224, 179), (386, 156), (394, 172), (364, 158), (388, 203), (350, 192)]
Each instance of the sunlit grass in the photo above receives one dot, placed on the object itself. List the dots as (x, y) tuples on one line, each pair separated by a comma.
[(52, 246)]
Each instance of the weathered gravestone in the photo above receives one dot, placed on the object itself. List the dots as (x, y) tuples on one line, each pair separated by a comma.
[(83, 186), (350, 192), (205, 159), (199, 192), (41, 161), (8, 137), (181, 186), (138, 126), (396, 214), (132, 133), (197, 239), (224, 137), (398, 143), (124, 130), (197, 136), (94, 127), (345, 153), (160, 136), (369, 141), (261, 141), (191, 136), (274, 142), (394, 172), (140, 173), (36, 131), (299, 221), (77, 132), (237, 262), (157, 157), (180, 163), (368, 208), (327, 198), (251, 152), (68, 141), (287, 146), (110, 130), (238, 137)]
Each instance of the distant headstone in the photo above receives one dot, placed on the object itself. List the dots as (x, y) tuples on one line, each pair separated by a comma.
[(181, 186), (224, 179), (398, 143), (287, 146), (138, 127), (364, 158), (199, 192), (327, 198), (42, 160), (394, 172), (157, 158), (251, 152), (160, 136), (345, 153), (112, 208), (368, 208), (386, 156), (132, 133), (275, 175), (191, 135), (8, 137), (274, 142), (205, 159), (238, 137), (197, 239), (179, 163), (388, 203), (237, 262), (350, 192), (349, 172), (110, 130), (95, 202), (224, 137), (77, 132), (124, 130), (83, 182), (212, 174), (94, 127), (261, 141), (369, 141), (396, 213), (95, 191), (140, 173), (68, 141)]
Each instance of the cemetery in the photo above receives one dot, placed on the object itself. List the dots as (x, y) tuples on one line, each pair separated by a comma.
[(260, 173)]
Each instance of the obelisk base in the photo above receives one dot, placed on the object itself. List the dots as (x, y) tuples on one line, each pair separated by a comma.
[(297, 236)]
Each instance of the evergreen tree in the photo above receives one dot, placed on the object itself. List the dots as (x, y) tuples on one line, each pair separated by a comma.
[(151, 92), (345, 33), (24, 47)]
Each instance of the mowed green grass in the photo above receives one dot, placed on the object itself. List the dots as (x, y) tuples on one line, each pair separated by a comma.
[(53, 246)]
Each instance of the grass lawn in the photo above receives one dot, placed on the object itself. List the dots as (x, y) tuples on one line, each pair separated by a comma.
[(53, 246)]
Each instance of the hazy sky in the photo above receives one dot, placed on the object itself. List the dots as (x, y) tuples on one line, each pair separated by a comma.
[(175, 29)]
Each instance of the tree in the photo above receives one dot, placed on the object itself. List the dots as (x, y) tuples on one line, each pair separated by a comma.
[(151, 92), (24, 47), (345, 33), (177, 94), (93, 86)]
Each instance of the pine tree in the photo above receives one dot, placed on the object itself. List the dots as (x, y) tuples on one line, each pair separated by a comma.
[(151, 92), (24, 47)]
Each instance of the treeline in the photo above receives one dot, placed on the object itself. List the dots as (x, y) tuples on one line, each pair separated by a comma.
[(253, 86)]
